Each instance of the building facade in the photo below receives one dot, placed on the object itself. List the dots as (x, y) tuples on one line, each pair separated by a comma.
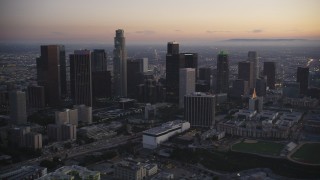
[(245, 72), (152, 138), (303, 79), (120, 64), (222, 73), (253, 57), (199, 109), (36, 97), (186, 83), (101, 77), (269, 70), (18, 109), (173, 64), (81, 77), (51, 73)]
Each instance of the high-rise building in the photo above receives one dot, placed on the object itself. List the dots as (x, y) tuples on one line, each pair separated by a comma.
[(199, 109), (255, 102), (303, 79), (36, 97), (101, 78), (67, 116), (222, 73), (186, 84), (214, 80), (245, 72), (205, 74), (98, 60), (253, 57), (120, 64), (81, 77), (63, 71), (51, 73), (136, 70), (173, 64), (16, 136), (175, 61), (261, 86), (190, 60), (33, 140), (269, 70), (240, 88), (18, 109), (68, 132), (54, 132), (84, 113), (173, 48), (291, 89)]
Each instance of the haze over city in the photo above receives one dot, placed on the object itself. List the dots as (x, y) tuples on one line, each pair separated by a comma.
[(159, 89), (157, 21)]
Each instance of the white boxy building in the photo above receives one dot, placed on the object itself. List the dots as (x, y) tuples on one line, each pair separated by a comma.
[(152, 138)]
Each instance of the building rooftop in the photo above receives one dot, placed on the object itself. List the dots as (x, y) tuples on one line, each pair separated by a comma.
[(165, 127), (200, 94), (64, 171)]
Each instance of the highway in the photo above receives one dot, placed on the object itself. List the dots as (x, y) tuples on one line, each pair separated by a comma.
[(79, 150)]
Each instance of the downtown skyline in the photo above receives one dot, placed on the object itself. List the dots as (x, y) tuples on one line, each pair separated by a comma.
[(157, 21)]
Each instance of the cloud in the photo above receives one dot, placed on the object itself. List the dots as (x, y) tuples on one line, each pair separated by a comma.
[(209, 31), (257, 31), (146, 32)]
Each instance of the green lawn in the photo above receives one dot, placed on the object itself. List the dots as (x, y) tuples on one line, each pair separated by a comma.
[(308, 153), (260, 147)]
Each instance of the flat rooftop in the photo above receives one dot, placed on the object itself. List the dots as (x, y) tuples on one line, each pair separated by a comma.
[(164, 127)]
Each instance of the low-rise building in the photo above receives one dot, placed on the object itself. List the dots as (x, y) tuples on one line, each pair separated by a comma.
[(24, 172), (305, 102), (151, 169), (261, 126), (312, 123), (130, 170), (34, 140), (70, 172), (84, 113), (152, 138)]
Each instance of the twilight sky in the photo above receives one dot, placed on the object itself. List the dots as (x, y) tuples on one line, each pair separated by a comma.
[(157, 21)]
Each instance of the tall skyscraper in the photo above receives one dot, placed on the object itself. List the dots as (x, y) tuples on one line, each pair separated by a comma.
[(36, 97), (173, 48), (18, 110), (63, 71), (245, 72), (261, 87), (101, 78), (222, 73), (136, 69), (253, 57), (51, 71), (175, 61), (269, 70), (205, 74), (186, 83), (303, 79), (190, 60), (255, 102), (80, 77), (173, 64), (120, 64), (199, 109), (291, 89), (240, 88), (98, 60)]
